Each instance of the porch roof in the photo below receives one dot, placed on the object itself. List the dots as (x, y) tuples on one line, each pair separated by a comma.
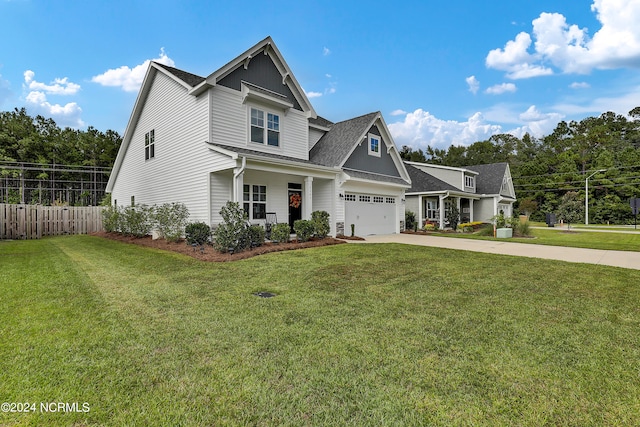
[(375, 177), (276, 158)]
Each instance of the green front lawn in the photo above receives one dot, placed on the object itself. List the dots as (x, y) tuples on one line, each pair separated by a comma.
[(576, 238), (357, 335)]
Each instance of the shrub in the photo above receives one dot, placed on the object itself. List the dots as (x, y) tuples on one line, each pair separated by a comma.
[(170, 219), (410, 222), (320, 220), (486, 230), (430, 227), (111, 218), (198, 233), (304, 229), (523, 229), (280, 233), (136, 220), (256, 235), (453, 216), (232, 234)]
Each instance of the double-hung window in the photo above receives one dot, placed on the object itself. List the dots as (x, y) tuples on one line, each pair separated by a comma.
[(149, 144), (254, 198), (469, 181), (265, 127)]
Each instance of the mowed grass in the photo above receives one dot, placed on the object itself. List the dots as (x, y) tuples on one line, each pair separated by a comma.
[(357, 335)]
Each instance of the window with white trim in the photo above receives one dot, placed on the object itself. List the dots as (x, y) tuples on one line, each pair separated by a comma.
[(265, 127), (366, 199), (374, 142), (350, 197), (149, 144), (469, 181), (378, 199), (391, 199), (254, 201)]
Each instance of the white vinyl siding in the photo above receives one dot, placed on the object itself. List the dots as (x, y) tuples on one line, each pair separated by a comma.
[(230, 125), (314, 137), (180, 124)]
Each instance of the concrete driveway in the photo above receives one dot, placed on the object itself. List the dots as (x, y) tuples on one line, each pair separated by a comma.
[(622, 259)]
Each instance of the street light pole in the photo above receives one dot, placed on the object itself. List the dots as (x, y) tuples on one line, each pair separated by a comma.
[(586, 196)]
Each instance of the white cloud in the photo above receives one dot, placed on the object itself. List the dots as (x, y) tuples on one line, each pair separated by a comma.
[(130, 79), (326, 51), (473, 83), (328, 75), (569, 48), (579, 85), (64, 115), (59, 86), (501, 88), (421, 129), (312, 94), (398, 112), (37, 102)]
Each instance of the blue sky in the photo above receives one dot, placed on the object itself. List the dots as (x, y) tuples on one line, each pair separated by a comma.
[(441, 73)]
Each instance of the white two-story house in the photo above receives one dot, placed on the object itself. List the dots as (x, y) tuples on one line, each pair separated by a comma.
[(248, 133), (479, 192)]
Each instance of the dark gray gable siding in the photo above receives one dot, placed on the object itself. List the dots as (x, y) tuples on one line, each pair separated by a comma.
[(261, 72), (362, 161)]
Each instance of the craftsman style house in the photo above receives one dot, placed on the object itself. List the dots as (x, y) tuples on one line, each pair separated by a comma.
[(479, 192), (248, 133)]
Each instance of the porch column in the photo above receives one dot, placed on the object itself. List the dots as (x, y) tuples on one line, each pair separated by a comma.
[(441, 198), (420, 211), (238, 184), (471, 210), (307, 198)]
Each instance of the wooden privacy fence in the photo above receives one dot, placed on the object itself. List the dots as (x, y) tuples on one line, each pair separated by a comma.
[(35, 221)]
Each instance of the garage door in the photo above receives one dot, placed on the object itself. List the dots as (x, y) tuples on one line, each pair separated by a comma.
[(371, 214)]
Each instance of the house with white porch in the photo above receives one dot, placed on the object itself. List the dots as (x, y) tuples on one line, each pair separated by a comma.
[(479, 192), (248, 133)]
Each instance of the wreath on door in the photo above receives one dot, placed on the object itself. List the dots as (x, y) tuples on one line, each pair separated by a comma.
[(295, 200)]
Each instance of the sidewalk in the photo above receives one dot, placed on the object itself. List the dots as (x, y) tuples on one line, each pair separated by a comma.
[(622, 259)]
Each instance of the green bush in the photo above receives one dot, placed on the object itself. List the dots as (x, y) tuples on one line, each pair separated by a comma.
[(303, 229), (170, 220), (280, 233), (453, 216), (320, 220), (485, 230), (523, 229), (232, 234), (410, 222), (111, 219), (198, 233), (136, 220), (256, 235)]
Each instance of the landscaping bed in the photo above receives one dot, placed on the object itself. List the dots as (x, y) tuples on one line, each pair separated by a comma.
[(210, 254)]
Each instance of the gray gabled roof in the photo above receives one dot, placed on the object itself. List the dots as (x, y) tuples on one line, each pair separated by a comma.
[(335, 145), (422, 182), (489, 179), (190, 79), (321, 121)]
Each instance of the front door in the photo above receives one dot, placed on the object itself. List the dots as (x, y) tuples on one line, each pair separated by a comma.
[(295, 204)]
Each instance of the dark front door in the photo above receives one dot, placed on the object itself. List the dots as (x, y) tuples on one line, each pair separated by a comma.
[(295, 207)]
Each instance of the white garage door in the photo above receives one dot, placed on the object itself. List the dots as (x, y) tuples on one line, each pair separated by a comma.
[(371, 214)]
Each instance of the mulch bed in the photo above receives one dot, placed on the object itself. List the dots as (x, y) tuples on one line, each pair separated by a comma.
[(211, 254), (343, 237)]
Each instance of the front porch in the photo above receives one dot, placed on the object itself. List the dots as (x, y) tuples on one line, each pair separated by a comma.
[(434, 208)]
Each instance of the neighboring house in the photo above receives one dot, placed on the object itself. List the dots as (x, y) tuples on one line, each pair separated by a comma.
[(248, 133), (479, 192)]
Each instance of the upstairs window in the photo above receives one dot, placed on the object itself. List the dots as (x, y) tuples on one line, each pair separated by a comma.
[(149, 145), (261, 134), (374, 145), (469, 181)]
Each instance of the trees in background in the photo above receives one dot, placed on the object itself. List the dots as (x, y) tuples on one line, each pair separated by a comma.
[(42, 163), (545, 169)]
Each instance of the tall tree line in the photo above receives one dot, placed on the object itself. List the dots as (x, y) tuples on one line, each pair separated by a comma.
[(43, 163), (544, 169)]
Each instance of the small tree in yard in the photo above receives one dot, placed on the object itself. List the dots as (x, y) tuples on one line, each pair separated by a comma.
[(233, 233), (571, 208), (453, 216)]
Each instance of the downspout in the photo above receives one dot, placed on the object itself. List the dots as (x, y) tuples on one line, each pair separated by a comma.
[(235, 179)]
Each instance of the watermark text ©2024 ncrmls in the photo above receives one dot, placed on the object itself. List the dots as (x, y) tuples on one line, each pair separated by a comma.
[(45, 407)]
